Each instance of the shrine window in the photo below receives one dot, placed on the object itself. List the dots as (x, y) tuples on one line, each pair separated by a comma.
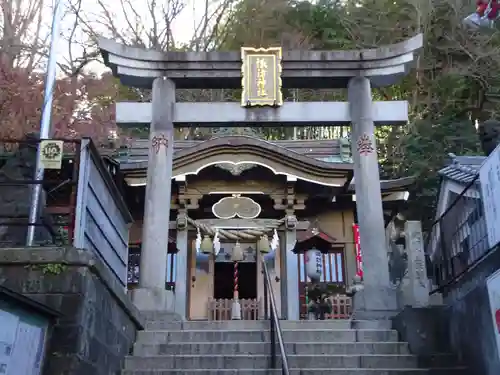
[(333, 267)]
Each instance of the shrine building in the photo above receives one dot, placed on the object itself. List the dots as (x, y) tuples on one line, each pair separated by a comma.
[(241, 187)]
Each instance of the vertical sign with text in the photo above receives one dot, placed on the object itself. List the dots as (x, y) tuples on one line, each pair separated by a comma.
[(489, 178), (261, 77)]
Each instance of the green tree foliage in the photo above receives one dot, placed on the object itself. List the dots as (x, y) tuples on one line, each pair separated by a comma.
[(455, 81)]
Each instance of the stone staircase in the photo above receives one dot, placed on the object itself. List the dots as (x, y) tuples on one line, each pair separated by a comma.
[(243, 347)]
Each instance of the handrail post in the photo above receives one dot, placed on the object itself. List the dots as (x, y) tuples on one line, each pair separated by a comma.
[(273, 342), (266, 297), (275, 327)]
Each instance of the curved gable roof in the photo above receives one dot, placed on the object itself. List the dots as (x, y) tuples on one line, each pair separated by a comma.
[(245, 150)]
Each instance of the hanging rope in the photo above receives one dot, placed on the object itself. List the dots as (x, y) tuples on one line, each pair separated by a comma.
[(235, 279), (235, 235)]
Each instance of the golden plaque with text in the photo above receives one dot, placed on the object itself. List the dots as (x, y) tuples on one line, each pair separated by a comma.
[(261, 77)]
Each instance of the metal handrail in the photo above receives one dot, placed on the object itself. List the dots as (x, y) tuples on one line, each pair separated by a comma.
[(272, 315)]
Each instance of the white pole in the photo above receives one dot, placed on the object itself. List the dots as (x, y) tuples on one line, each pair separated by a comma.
[(45, 122)]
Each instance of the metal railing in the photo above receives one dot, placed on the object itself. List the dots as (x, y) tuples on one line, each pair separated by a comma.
[(275, 328), (458, 239), (54, 225)]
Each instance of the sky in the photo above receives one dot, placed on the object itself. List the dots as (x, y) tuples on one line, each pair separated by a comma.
[(183, 25)]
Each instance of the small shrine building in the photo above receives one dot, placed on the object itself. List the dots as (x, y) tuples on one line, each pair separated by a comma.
[(240, 187)]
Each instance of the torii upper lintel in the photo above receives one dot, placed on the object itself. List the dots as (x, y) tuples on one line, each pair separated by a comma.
[(139, 67)]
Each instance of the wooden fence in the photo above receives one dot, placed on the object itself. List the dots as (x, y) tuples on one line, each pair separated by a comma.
[(221, 309), (341, 308), (102, 218)]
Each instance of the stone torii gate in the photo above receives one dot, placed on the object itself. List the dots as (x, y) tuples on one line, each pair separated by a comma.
[(262, 73)]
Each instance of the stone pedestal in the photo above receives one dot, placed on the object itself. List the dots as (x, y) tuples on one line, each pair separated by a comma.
[(236, 310), (151, 294), (153, 299), (378, 298), (375, 303)]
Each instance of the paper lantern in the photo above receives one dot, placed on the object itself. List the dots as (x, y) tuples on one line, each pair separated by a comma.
[(263, 245), (314, 264)]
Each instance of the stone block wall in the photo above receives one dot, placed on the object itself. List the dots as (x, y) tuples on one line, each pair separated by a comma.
[(98, 323), (472, 333), (462, 325)]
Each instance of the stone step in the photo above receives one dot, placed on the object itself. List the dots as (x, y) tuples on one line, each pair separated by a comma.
[(264, 324), (160, 316), (293, 336), (228, 361), (205, 348), (304, 371), (437, 361)]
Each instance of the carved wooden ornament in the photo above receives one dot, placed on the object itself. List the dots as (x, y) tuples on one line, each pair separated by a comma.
[(236, 169), (236, 206)]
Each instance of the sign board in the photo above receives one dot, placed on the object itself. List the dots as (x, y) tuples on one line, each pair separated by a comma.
[(493, 286), (489, 177), (357, 245), (51, 154), (22, 342), (261, 77)]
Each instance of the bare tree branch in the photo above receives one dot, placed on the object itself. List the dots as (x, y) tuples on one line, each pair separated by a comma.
[(20, 32)]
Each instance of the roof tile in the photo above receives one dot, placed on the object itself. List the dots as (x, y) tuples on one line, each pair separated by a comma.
[(462, 169)]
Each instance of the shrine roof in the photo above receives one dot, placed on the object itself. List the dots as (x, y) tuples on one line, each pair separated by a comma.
[(315, 232), (327, 151), (462, 169), (390, 185), (314, 237), (317, 161), (239, 150)]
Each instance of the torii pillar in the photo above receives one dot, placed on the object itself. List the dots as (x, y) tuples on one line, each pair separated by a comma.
[(356, 70), (378, 300), (151, 294)]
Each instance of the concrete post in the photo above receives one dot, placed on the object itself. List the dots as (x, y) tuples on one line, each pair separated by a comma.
[(292, 303), (377, 300), (151, 294), (417, 272), (181, 265)]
